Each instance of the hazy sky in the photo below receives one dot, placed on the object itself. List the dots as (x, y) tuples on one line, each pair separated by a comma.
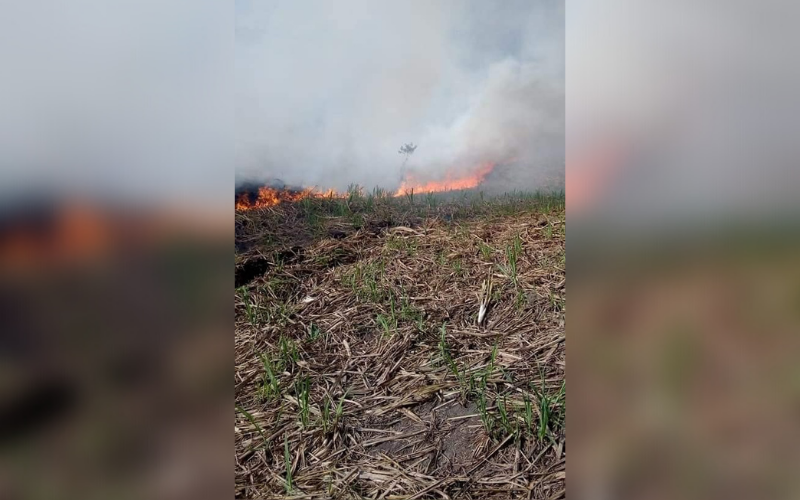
[(327, 92)]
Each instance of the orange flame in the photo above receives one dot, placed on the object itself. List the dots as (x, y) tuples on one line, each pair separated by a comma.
[(269, 197), (450, 182)]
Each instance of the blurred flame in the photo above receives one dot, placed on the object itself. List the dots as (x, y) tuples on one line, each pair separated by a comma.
[(78, 231), (450, 182), (590, 173), (75, 230)]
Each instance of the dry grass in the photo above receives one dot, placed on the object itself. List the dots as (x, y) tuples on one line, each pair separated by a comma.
[(362, 371)]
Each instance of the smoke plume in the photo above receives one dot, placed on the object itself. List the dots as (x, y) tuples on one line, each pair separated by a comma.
[(327, 92)]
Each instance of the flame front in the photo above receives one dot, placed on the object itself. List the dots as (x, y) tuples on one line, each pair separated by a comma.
[(451, 182), (269, 197)]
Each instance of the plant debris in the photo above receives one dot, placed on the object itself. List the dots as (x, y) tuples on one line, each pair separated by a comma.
[(393, 350)]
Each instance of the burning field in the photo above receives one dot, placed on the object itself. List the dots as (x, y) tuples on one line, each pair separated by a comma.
[(400, 347), (251, 196)]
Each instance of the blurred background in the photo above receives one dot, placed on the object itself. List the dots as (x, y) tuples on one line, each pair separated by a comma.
[(684, 308), (116, 176)]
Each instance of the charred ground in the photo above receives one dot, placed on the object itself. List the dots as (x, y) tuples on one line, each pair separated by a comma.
[(361, 369)]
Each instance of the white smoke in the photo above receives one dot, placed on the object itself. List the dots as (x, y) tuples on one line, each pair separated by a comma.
[(328, 91)]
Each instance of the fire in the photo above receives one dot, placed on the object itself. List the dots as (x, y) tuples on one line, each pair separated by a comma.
[(450, 182), (269, 197)]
